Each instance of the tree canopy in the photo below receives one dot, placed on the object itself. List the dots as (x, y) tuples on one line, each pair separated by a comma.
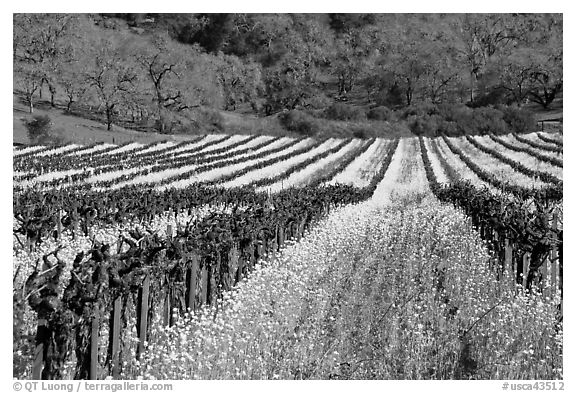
[(161, 67)]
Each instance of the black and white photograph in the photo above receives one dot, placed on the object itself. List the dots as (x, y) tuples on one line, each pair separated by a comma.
[(287, 196)]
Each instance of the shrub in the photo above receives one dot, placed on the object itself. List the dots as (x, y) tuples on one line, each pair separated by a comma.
[(488, 120), (424, 125), (315, 113), (38, 128), (199, 120), (420, 109), (299, 122), (458, 119), (391, 97), (40, 131), (449, 128), (380, 113), (319, 101), (494, 97), (519, 120), (359, 133), (462, 120), (454, 112), (212, 120), (341, 111)]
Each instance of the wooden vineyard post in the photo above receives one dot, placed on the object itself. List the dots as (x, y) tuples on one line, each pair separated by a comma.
[(280, 237), (75, 224), (544, 287), (252, 255), (261, 249), (295, 230), (38, 365), (59, 226), (115, 337), (169, 231), (272, 245), (525, 269), (553, 271), (239, 274), (213, 274), (38, 362), (301, 229), (167, 307), (554, 262), (233, 265), (94, 328), (204, 285), (74, 217), (508, 264), (217, 279), (143, 315), (28, 244), (495, 241), (193, 273)]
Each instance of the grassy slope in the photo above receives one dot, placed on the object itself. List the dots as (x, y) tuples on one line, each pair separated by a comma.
[(555, 111), (79, 130)]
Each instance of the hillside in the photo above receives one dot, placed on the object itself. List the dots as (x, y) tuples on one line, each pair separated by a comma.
[(321, 74)]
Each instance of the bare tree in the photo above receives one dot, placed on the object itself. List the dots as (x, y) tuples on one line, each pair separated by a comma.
[(28, 78), (41, 39), (111, 77), (165, 68)]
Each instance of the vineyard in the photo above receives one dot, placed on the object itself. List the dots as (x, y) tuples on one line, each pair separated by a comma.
[(259, 257)]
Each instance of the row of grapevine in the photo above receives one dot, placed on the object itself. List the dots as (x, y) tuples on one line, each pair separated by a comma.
[(167, 169), (542, 157), (541, 146), (451, 174), (523, 234), (223, 162), (551, 192), (519, 167), (548, 139), (119, 285), (184, 271), (265, 181), (159, 164), (99, 164), (334, 168)]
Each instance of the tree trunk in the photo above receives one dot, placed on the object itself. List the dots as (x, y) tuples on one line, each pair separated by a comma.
[(341, 85), (350, 83), (471, 87), (69, 105), (161, 119), (108, 118), (52, 93), (30, 103)]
